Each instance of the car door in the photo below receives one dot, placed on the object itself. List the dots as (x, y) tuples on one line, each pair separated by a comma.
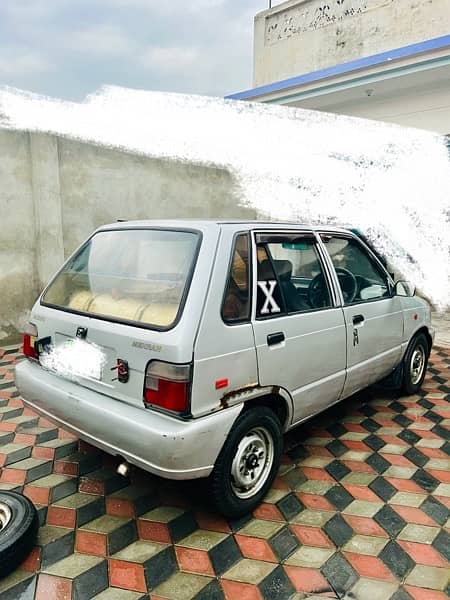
[(373, 315), (299, 330)]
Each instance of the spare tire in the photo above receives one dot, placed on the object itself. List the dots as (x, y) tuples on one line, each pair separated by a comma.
[(18, 529)]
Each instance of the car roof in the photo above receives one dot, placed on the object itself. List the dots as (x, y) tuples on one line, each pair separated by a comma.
[(208, 224)]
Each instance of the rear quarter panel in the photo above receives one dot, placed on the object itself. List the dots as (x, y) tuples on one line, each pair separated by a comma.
[(221, 351)]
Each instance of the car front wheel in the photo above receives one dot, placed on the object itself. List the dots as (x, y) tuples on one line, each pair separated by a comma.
[(415, 365), (247, 463)]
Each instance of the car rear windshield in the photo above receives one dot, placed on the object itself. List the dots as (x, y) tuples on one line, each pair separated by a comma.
[(138, 275)]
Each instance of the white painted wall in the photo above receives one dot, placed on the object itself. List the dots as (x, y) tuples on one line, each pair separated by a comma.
[(422, 106), (429, 111)]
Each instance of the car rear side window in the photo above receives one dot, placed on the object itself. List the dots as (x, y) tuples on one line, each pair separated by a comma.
[(269, 301), (137, 275), (236, 303)]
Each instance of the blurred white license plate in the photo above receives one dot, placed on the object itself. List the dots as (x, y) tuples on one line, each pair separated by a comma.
[(74, 358)]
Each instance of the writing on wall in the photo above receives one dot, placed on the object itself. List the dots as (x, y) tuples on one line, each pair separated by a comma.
[(313, 15)]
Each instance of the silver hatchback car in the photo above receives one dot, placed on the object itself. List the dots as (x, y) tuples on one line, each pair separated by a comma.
[(187, 348)]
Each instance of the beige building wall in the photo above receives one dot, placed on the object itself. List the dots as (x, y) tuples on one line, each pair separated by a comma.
[(301, 36), (54, 192)]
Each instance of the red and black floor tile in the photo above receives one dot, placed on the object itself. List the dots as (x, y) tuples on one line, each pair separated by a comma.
[(360, 509)]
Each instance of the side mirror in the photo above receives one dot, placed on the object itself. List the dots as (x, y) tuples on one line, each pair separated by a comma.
[(404, 288)]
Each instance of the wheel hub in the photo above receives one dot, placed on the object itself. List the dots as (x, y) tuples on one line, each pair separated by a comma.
[(5, 515), (417, 364), (252, 463)]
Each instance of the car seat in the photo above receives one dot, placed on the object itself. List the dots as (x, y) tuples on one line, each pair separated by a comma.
[(284, 271)]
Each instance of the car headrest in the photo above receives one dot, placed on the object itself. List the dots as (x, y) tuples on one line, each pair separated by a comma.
[(265, 270), (282, 267)]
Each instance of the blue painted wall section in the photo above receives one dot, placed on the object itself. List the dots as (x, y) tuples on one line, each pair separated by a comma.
[(436, 44)]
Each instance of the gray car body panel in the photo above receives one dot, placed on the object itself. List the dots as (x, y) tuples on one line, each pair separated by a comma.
[(153, 441), (312, 369)]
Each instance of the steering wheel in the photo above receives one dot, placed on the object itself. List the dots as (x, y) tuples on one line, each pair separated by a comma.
[(317, 289), (349, 285)]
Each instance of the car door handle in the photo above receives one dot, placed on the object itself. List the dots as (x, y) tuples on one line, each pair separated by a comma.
[(357, 319), (275, 338)]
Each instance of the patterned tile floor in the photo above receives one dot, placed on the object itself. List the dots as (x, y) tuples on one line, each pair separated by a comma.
[(441, 323), (360, 509)]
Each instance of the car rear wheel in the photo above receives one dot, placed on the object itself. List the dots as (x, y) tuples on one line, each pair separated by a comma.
[(247, 463), (415, 365), (18, 529)]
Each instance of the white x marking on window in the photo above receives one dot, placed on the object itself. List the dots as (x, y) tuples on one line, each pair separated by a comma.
[(268, 287)]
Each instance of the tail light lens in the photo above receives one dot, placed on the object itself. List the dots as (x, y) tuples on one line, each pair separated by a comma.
[(29, 337), (167, 386)]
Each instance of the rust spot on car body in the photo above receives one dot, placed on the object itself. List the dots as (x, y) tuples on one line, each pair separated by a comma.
[(245, 393)]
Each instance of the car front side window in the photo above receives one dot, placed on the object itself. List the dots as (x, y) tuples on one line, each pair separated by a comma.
[(361, 279)]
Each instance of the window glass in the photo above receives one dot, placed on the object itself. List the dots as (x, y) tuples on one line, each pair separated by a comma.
[(360, 278), (268, 296), (236, 305), (290, 276), (133, 275)]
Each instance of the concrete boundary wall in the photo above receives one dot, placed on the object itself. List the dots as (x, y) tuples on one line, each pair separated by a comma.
[(55, 191)]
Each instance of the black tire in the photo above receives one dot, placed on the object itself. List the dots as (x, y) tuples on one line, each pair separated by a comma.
[(19, 532), (261, 421), (418, 347)]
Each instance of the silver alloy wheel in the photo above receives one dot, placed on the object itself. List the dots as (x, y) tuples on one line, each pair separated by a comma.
[(252, 463), (5, 515), (417, 364)]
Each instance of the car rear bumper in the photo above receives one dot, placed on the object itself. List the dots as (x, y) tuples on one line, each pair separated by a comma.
[(155, 442)]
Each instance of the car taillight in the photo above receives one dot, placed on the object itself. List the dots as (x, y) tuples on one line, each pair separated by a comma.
[(29, 338), (167, 386)]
